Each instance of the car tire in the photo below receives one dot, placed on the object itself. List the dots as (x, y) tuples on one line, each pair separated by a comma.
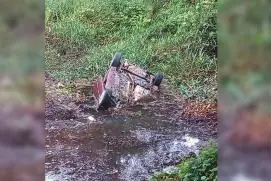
[(116, 60), (105, 101), (157, 79)]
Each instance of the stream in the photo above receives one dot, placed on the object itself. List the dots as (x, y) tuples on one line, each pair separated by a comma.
[(104, 146)]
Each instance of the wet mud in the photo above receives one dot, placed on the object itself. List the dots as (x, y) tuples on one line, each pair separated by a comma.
[(130, 143)]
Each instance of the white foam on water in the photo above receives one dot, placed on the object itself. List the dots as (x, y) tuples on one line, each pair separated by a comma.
[(139, 165), (143, 135), (60, 176), (50, 177), (171, 169), (190, 141), (185, 144), (91, 119)]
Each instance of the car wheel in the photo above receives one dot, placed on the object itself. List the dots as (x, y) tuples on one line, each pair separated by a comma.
[(116, 60), (105, 101), (157, 79)]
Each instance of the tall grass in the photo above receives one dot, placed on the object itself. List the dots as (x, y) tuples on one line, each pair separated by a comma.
[(172, 36)]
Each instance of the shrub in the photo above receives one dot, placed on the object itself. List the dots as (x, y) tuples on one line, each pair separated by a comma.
[(200, 168)]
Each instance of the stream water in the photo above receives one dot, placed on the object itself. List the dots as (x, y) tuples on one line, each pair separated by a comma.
[(105, 146)]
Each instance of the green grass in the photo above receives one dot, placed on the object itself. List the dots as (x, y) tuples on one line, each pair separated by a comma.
[(171, 36), (202, 167)]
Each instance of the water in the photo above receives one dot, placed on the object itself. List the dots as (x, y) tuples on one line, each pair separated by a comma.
[(128, 147)]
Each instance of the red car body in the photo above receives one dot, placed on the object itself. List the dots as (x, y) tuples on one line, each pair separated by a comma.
[(124, 82)]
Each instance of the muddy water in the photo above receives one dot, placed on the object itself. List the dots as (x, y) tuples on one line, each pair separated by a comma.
[(119, 146)]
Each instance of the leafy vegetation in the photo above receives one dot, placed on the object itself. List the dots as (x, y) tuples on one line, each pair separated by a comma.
[(171, 36), (200, 168)]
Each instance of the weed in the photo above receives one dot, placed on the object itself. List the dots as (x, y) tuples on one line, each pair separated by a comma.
[(174, 37), (201, 168)]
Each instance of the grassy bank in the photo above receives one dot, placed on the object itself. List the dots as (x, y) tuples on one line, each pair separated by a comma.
[(172, 36), (203, 167)]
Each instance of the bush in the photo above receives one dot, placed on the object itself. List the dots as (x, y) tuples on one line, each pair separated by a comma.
[(200, 168)]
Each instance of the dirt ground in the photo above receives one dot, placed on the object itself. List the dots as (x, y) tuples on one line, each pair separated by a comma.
[(63, 104), (244, 138), (244, 132), (170, 117)]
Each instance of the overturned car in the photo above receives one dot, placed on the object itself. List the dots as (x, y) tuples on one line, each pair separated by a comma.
[(124, 83)]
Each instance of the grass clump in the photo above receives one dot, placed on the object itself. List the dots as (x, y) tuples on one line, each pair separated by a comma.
[(201, 168), (171, 36)]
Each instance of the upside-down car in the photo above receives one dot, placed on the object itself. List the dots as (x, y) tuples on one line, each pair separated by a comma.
[(125, 82)]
